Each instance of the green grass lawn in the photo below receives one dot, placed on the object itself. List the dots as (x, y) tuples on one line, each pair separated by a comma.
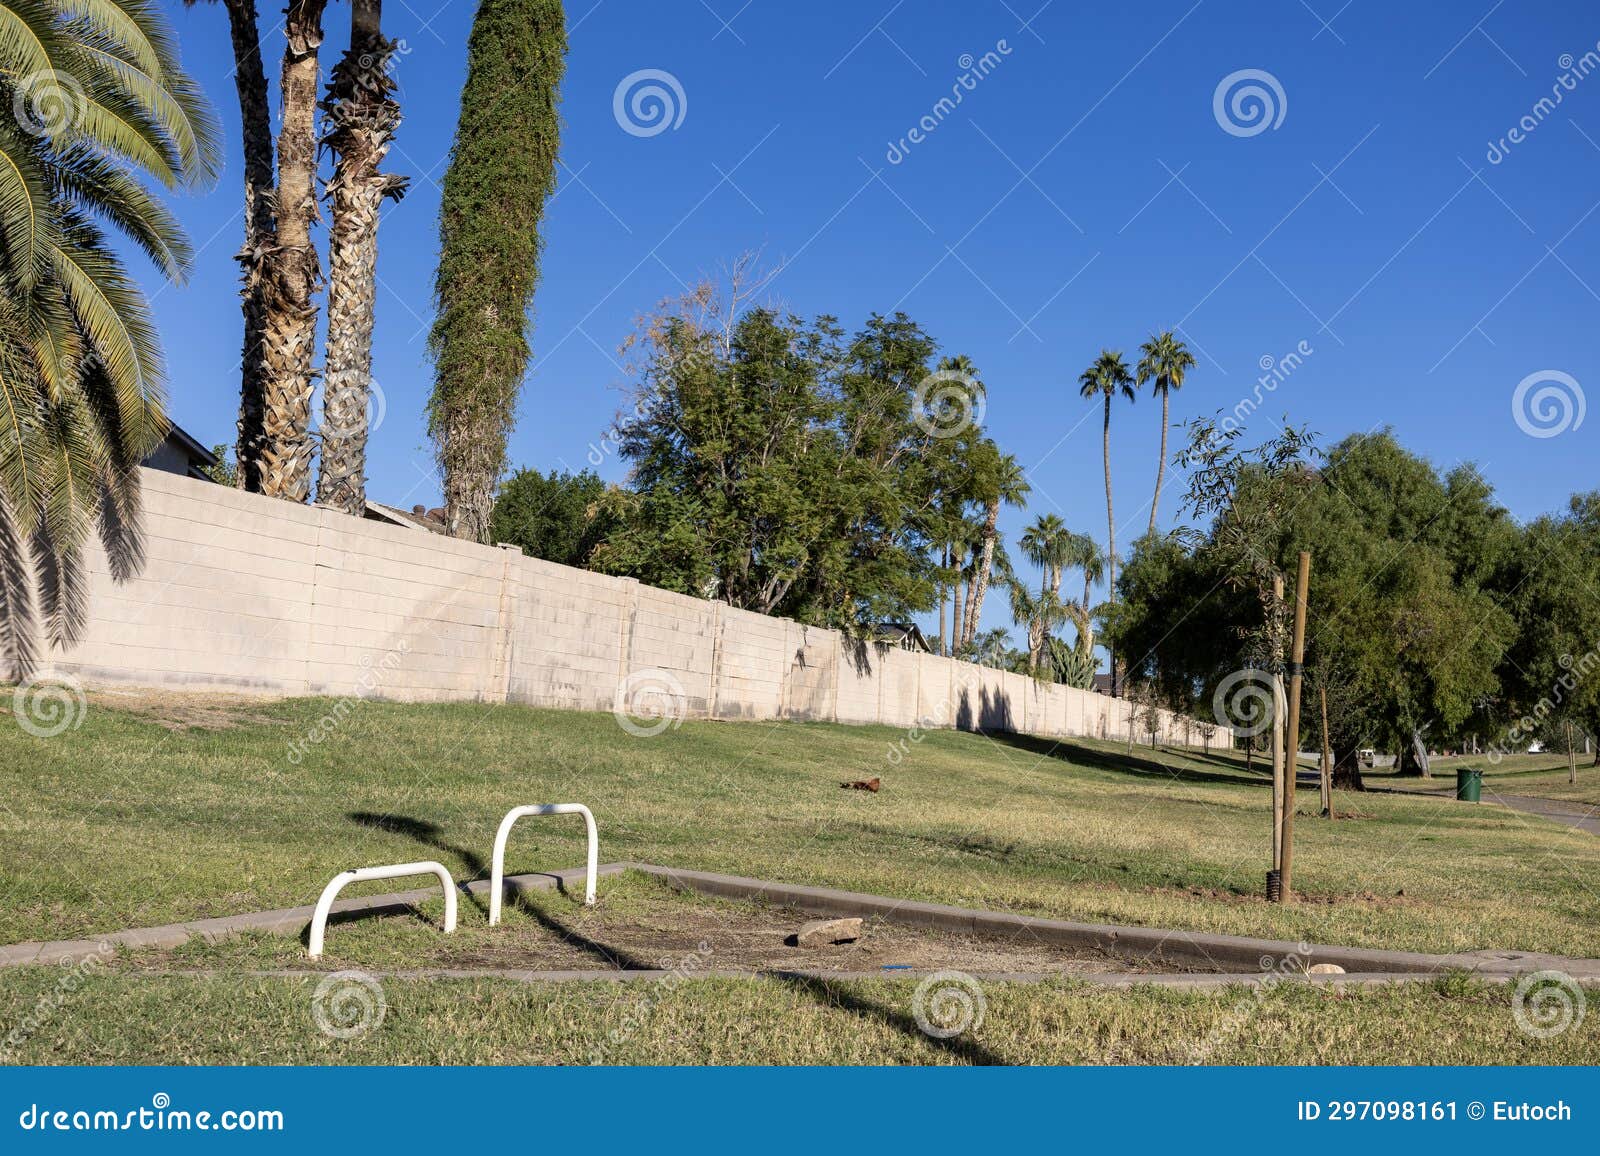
[(1543, 776), (158, 810), (121, 1018), (127, 822)]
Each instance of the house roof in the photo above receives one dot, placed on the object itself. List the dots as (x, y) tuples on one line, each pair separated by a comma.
[(900, 632), (418, 517)]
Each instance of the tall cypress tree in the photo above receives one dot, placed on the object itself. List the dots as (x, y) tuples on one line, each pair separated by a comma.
[(502, 168)]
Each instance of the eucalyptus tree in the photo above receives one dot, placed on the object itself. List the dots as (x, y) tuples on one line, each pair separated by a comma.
[(92, 98), (1164, 363)]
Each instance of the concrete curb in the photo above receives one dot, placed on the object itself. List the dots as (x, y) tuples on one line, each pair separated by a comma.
[(285, 921), (1226, 953), (1229, 956), (1121, 981)]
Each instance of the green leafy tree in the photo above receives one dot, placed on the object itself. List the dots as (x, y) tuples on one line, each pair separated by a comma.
[(1551, 671), (560, 517), (93, 99), (502, 169), (780, 467)]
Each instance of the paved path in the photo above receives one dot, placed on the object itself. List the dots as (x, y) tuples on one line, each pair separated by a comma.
[(1579, 815)]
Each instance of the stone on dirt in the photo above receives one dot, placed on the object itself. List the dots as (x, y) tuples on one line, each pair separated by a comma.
[(825, 932), (1324, 969)]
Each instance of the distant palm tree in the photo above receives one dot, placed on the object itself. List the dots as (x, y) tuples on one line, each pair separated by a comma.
[(1045, 543), (1081, 553), (992, 647), (1165, 362), (91, 98), (1007, 484), (1105, 379), (1039, 615)]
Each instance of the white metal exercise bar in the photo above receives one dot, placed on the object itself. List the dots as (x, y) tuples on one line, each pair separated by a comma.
[(498, 871), (319, 920)]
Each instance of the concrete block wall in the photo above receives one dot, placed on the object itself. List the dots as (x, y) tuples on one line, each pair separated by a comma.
[(244, 593)]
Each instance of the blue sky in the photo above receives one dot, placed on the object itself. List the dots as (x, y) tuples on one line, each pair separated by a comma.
[(1084, 193)]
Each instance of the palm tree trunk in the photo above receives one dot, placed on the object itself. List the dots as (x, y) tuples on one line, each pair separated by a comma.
[(1111, 528), (362, 115), (958, 624), (1161, 462), (944, 597), (292, 274), (260, 228), (991, 519)]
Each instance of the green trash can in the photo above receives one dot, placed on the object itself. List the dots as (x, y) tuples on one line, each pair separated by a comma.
[(1469, 784)]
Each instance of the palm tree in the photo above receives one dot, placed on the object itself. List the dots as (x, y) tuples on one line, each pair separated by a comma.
[(291, 273), (1081, 553), (1004, 483), (91, 98), (362, 116), (1040, 615), (1045, 543), (260, 230), (1105, 379), (1165, 362), (991, 647)]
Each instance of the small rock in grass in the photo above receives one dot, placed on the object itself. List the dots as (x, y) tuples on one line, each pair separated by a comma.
[(1324, 969), (825, 932)]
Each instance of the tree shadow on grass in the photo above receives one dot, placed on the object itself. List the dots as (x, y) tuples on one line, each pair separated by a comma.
[(830, 993), (1122, 762), (430, 835)]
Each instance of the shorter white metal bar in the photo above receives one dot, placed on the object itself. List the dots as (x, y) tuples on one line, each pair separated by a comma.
[(497, 875), (319, 919)]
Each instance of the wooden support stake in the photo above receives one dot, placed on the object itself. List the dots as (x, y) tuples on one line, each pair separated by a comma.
[(1277, 731), (1296, 681)]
